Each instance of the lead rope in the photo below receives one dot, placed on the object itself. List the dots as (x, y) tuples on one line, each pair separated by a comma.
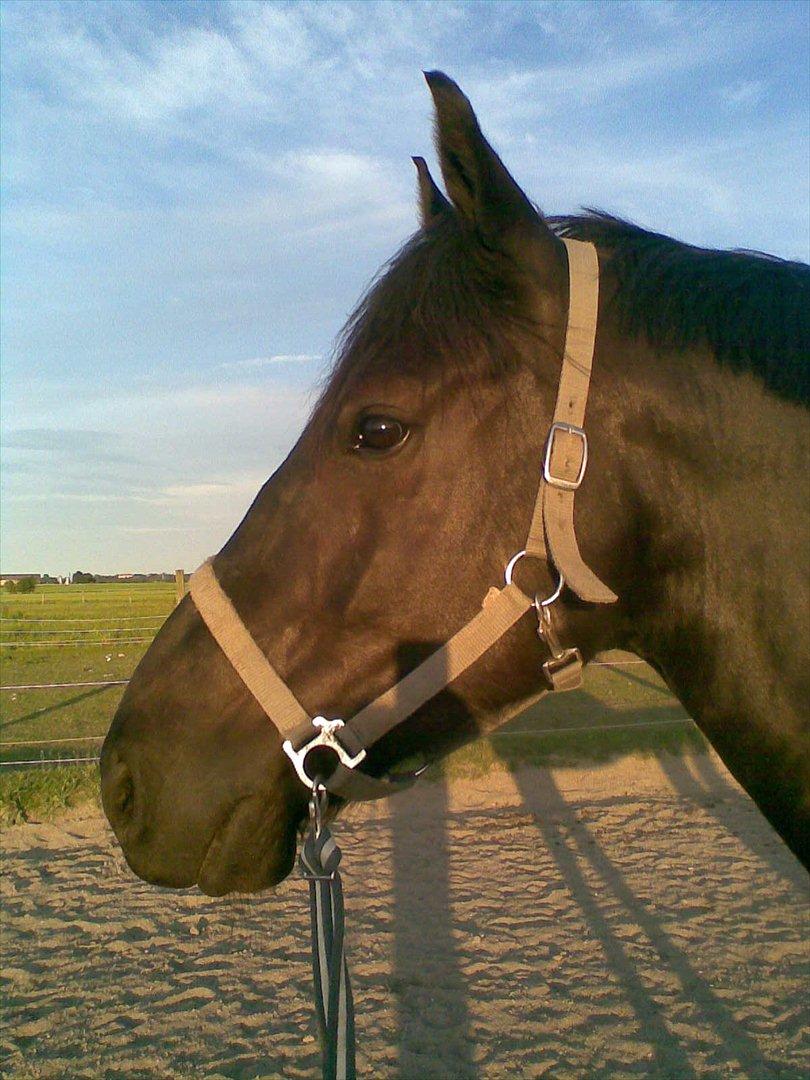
[(334, 1005)]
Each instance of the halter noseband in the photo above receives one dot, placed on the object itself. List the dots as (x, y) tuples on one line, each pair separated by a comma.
[(551, 538)]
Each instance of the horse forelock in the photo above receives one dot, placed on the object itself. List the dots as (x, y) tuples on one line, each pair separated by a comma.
[(444, 304)]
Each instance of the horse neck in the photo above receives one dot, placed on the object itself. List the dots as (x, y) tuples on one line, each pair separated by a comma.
[(713, 471)]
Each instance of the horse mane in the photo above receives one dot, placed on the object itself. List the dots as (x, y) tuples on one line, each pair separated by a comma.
[(751, 309), (444, 298)]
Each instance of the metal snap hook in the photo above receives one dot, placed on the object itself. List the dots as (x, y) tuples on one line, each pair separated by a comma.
[(317, 803)]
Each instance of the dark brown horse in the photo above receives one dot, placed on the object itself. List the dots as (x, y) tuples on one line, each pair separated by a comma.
[(413, 484)]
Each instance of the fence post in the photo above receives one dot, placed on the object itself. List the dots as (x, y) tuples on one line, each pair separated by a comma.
[(179, 586)]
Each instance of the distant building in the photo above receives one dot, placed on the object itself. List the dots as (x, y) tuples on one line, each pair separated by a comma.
[(4, 578)]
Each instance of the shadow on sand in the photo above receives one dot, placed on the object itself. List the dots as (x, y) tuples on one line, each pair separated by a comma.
[(429, 984)]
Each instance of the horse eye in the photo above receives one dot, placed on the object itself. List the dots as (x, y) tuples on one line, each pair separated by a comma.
[(379, 433)]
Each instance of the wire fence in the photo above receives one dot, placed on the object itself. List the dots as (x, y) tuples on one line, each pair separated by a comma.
[(121, 618), (45, 761), (48, 762), (526, 733), (108, 630), (65, 685), (61, 644), (39, 633), (67, 594)]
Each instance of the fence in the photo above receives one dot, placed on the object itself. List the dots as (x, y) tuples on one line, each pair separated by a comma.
[(45, 761), (25, 627), (31, 636), (27, 632), (78, 631), (108, 590)]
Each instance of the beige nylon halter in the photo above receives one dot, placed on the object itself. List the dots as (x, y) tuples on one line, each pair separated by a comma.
[(552, 523)]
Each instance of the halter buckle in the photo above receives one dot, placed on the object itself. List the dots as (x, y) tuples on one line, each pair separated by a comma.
[(561, 481), (564, 672), (325, 737)]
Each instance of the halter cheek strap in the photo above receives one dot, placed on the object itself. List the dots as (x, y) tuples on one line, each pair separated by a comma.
[(566, 455), (551, 537)]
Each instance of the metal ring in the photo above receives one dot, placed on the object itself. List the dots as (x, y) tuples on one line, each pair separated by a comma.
[(510, 566), (549, 600)]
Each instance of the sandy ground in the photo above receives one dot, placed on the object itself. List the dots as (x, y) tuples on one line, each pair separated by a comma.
[(639, 919)]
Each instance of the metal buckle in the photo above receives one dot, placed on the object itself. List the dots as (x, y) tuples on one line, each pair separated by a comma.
[(564, 672), (560, 481), (325, 737)]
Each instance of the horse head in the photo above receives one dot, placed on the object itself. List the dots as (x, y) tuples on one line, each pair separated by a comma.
[(405, 496), (412, 486)]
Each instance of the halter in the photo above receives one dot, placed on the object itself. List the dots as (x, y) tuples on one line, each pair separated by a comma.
[(551, 538)]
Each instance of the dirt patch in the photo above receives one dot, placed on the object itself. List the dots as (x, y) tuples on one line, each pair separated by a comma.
[(639, 919)]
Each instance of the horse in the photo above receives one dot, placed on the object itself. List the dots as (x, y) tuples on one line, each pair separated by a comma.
[(411, 487)]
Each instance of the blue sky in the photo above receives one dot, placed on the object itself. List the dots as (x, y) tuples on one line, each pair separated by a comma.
[(195, 194)]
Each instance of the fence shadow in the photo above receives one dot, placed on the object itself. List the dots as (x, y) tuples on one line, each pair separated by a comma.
[(572, 846), (56, 707), (429, 987), (702, 782), (712, 790)]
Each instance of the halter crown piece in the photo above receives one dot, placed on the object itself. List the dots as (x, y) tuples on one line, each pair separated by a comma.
[(551, 538)]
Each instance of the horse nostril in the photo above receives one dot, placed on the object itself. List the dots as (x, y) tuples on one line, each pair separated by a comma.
[(117, 790), (125, 797)]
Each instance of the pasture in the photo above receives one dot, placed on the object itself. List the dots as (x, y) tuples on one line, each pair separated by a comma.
[(91, 636)]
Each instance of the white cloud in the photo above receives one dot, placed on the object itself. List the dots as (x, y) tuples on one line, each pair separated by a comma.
[(148, 83), (188, 459), (245, 485)]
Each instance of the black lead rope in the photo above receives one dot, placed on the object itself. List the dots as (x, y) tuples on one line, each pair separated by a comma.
[(334, 1006)]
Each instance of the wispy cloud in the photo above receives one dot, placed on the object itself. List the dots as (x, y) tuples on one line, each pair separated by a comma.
[(243, 485), (257, 362), (743, 92)]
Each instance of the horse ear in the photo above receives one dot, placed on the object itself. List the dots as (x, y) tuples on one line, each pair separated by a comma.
[(432, 203), (479, 184)]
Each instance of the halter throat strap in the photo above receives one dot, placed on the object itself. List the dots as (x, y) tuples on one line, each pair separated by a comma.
[(551, 537)]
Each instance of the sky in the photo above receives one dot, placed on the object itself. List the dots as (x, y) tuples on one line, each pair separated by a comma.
[(196, 194)]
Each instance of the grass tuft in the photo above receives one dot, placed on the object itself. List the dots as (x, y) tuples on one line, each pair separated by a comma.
[(42, 794)]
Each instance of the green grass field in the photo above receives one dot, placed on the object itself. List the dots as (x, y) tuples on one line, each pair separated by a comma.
[(107, 629), (73, 634)]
